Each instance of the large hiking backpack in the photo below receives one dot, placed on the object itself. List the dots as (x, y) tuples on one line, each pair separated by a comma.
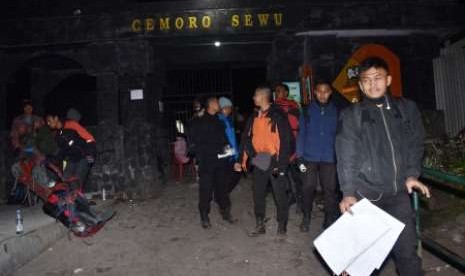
[(67, 205), (291, 109), (292, 112)]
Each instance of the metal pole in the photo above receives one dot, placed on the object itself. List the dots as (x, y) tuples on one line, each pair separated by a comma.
[(445, 254), (416, 207)]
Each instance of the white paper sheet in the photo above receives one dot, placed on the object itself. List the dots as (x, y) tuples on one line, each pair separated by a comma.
[(359, 243)]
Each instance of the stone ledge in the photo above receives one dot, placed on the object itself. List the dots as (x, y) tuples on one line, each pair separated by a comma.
[(17, 251)]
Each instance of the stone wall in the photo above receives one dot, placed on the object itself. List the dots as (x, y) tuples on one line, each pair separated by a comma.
[(127, 160), (3, 167), (140, 162), (107, 172)]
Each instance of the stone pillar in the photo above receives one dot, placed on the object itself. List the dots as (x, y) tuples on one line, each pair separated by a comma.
[(108, 97), (3, 122), (140, 160), (108, 172), (132, 110), (3, 142), (4, 171)]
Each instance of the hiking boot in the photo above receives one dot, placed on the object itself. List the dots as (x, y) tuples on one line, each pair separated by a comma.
[(226, 215), (282, 228), (259, 228), (205, 221), (305, 225)]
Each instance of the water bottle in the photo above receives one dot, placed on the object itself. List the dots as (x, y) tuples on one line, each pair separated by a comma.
[(19, 222)]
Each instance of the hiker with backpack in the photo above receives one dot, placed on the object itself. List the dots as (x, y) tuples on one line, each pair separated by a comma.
[(266, 143), (292, 109), (379, 148), (226, 116), (316, 157)]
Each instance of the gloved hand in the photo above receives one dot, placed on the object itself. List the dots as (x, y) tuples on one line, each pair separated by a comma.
[(301, 165), (278, 172)]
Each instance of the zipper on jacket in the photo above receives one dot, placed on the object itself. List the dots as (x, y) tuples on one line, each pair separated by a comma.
[(388, 133)]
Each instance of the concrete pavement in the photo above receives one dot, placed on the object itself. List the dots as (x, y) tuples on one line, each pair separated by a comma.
[(163, 237)]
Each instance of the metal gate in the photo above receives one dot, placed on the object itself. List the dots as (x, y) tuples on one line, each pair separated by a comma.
[(449, 79), (186, 85)]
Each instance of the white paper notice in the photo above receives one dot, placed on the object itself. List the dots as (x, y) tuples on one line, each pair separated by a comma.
[(359, 243)]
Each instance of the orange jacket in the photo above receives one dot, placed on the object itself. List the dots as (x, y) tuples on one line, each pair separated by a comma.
[(83, 133), (263, 139), (267, 132)]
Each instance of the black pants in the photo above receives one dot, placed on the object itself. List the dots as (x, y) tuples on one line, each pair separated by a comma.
[(326, 172), (231, 177), (280, 187), (295, 183), (79, 169), (212, 184), (405, 250)]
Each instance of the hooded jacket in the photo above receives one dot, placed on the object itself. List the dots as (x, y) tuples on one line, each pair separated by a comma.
[(378, 148), (267, 132)]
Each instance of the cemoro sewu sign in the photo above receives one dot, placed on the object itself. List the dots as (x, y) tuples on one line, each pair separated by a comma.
[(211, 21)]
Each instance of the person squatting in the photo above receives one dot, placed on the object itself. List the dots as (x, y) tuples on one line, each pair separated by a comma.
[(53, 159), (372, 149)]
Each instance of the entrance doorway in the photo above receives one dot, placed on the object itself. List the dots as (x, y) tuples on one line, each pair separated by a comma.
[(183, 86)]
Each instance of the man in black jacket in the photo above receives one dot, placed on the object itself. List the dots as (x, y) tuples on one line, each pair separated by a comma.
[(208, 140), (379, 148), (72, 148)]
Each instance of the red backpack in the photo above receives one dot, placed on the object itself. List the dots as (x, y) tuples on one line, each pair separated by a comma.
[(292, 110)]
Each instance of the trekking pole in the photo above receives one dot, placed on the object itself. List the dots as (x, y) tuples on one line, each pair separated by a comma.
[(416, 207)]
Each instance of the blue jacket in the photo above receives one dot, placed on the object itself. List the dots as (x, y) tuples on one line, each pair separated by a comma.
[(230, 133), (317, 133)]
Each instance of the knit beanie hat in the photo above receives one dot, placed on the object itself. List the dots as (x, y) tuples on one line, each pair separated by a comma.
[(73, 114), (225, 102)]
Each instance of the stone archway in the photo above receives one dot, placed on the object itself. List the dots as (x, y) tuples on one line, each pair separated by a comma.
[(35, 78), (77, 91)]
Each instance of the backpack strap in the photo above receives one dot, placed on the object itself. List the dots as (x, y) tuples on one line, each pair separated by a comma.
[(306, 113)]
